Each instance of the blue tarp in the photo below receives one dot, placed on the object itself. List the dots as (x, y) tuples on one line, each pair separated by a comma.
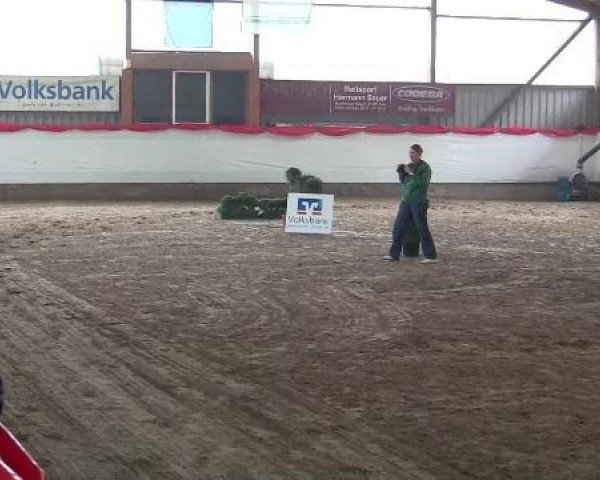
[(188, 23)]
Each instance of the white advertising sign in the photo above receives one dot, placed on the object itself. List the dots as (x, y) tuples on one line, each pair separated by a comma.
[(309, 213), (66, 94)]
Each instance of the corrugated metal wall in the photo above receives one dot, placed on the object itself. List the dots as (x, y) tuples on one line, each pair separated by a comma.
[(535, 107), (60, 118)]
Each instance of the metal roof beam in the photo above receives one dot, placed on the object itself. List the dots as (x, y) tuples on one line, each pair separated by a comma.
[(592, 6)]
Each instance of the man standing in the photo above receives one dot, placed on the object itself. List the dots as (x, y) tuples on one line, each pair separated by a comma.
[(415, 179)]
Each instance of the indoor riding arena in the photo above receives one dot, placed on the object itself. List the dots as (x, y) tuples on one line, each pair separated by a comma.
[(161, 318)]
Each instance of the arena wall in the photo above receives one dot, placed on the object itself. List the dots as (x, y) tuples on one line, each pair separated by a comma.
[(205, 164)]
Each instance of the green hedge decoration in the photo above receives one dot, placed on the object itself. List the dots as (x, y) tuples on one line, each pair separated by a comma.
[(246, 206)]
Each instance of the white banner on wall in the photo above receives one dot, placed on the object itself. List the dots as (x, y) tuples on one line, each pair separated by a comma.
[(175, 156), (68, 94)]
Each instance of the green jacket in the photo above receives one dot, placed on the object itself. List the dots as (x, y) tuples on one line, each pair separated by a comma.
[(414, 187)]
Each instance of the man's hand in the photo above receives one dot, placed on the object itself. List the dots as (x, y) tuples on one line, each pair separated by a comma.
[(401, 168)]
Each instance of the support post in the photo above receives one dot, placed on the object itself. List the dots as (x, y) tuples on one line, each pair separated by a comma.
[(433, 54)]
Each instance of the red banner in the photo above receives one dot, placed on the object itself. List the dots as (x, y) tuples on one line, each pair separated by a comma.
[(322, 101), (294, 131)]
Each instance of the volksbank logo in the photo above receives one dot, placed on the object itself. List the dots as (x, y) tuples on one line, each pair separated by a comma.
[(309, 213), (310, 206), (303, 220), (34, 89)]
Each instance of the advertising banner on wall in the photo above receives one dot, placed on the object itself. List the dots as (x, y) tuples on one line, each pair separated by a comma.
[(292, 98), (60, 94)]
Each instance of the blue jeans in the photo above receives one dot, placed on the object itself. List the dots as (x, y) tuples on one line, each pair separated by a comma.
[(418, 214)]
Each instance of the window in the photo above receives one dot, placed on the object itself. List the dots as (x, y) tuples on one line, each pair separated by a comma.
[(189, 97), (152, 97), (229, 97)]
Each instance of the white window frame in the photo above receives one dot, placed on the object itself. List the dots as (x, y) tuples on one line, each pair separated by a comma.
[(208, 116)]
